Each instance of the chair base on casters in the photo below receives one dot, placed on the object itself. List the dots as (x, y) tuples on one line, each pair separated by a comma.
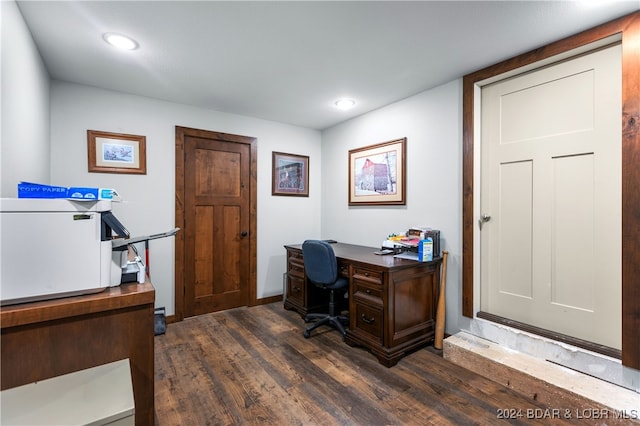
[(336, 321)]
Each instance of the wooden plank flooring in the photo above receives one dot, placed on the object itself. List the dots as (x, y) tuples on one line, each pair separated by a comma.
[(253, 366)]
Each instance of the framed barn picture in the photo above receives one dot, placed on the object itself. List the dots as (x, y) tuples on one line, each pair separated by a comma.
[(377, 174)]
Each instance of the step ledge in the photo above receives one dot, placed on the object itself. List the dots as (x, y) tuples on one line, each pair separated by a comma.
[(583, 386)]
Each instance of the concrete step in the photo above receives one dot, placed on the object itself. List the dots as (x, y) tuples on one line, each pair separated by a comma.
[(566, 393)]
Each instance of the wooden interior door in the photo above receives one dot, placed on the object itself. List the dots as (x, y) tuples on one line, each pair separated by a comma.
[(215, 207), (551, 184)]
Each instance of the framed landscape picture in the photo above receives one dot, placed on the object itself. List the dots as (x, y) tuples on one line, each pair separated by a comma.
[(290, 174), (116, 153), (377, 174)]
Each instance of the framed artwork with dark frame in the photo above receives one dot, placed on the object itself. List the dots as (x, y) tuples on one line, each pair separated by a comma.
[(290, 174), (377, 174), (116, 153)]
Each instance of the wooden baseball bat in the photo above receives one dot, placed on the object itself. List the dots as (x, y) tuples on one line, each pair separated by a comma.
[(437, 341)]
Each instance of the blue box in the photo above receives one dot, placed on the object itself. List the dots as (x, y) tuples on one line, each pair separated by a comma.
[(37, 190), (425, 250), (76, 192)]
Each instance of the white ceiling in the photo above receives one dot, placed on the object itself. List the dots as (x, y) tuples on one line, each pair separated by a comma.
[(289, 61)]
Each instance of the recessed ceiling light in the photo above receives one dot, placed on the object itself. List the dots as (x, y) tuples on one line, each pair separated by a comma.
[(120, 41), (345, 103)]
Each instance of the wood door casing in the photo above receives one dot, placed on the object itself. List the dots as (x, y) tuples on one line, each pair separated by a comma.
[(628, 28), (215, 207)]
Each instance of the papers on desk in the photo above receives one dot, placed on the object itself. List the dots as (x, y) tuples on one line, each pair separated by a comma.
[(404, 244), (418, 244), (407, 255), (401, 243)]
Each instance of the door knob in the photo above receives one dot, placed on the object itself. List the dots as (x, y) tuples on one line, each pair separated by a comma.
[(483, 219), (244, 233)]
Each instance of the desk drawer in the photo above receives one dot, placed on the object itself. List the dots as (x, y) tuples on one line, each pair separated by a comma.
[(368, 275), (295, 270), (295, 264), (367, 291), (369, 320), (295, 289), (295, 254)]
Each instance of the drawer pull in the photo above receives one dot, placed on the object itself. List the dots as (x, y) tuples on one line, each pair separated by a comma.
[(366, 274), (368, 320), (368, 291), (296, 289)]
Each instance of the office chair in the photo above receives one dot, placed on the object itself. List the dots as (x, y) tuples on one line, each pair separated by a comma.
[(321, 268)]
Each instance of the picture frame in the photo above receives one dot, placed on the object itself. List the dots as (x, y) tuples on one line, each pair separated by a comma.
[(116, 153), (377, 174), (290, 174)]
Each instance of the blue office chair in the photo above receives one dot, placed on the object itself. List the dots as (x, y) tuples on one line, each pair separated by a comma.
[(321, 269)]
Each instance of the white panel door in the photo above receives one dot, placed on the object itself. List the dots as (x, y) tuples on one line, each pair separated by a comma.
[(551, 183)]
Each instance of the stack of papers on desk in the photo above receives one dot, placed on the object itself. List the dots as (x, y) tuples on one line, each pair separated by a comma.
[(404, 242), (409, 255)]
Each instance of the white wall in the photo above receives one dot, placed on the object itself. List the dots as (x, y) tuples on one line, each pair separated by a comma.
[(149, 199), (432, 123), (24, 146)]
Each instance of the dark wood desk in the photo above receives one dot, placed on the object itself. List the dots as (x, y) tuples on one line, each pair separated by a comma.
[(46, 339), (392, 302)]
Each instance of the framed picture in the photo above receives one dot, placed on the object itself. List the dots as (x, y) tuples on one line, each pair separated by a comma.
[(290, 175), (377, 174), (116, 153)]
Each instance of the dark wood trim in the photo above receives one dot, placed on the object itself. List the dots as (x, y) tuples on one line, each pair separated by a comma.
[(594, 347), (631, 193), (270, 299), (180, 217), (629, 28), (253, 224), (468, 86), (179, 238), (170, 319)]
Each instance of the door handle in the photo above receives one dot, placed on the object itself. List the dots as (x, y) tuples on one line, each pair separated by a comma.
[(244, 233), (483, 219)]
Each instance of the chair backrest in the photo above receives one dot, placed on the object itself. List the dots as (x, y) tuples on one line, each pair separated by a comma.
[(320, 264)]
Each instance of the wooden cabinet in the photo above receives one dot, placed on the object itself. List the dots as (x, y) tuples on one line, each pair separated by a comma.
[(294, 297), (392, 302), (46, 339), (394, 314)]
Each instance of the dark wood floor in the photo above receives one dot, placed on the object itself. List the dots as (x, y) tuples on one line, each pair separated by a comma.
[(253, 366)]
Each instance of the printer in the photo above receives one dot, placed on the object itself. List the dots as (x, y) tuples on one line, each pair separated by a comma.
[(58, 247)]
